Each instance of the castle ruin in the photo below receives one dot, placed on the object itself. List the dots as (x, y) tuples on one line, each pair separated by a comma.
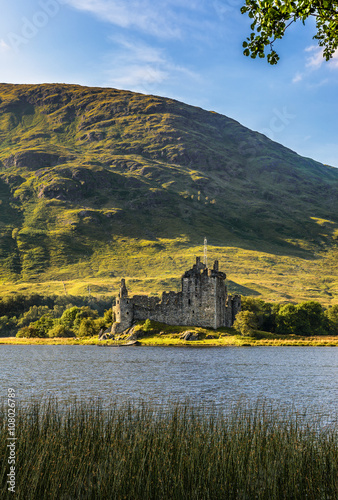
[(203, 301)]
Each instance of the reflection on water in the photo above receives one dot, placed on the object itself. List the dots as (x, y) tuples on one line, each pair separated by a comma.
[(302, 377)]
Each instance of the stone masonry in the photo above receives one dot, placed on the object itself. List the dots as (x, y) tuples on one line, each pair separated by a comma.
[(203, 301)]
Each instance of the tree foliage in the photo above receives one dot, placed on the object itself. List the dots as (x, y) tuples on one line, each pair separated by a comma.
[(306, 318), (60, 330), (332, 318), (271, 18), (264, 312), (40, 314), (246, 323), (87, 327)]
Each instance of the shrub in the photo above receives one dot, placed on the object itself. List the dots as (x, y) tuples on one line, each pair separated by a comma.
[(245, 323), (147, 326), (87, 328), (60, 331), (30, 332)]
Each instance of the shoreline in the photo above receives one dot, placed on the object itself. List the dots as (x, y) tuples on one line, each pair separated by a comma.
[(171, 341)]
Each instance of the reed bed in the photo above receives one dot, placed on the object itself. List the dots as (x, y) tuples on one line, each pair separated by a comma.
[(177, 451)]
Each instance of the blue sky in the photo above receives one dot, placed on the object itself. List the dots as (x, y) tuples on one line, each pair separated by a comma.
[(190, 50)]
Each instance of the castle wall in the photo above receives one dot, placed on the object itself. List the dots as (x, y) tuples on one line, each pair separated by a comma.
[(200, 298), (203, 302), (233, 306), (168, 310)]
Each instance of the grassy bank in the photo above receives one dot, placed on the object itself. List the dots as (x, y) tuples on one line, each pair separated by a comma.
[(173, 339), (85, 452)]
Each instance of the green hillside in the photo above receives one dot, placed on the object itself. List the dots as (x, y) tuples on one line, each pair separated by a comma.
[(98, 183)]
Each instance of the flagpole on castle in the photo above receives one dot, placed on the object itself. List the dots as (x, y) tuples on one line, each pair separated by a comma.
[(206, 252)]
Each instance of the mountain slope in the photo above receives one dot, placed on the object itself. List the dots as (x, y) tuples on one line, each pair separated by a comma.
[(91, 177)]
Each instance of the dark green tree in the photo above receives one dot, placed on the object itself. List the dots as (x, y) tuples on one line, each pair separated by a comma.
[(263, 311), (332, 317), (271, 18), (287, 320), (29, 332), (306, 318), (311, 314)]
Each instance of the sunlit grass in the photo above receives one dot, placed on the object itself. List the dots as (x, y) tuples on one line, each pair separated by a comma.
[(173, 339), (150, 270)]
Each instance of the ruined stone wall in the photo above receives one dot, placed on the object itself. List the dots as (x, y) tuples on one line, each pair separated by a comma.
[(204, 297), (168, 310), (233, 306), (199, 293), (203, 302), (144, 301), (236, 307)]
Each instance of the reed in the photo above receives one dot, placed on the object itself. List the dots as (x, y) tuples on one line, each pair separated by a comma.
[(175, 451)]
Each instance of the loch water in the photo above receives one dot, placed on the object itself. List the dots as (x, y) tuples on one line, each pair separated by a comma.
[(304, 379)]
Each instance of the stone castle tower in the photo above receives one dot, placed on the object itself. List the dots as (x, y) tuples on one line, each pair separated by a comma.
[(203, 301), (124, 308)]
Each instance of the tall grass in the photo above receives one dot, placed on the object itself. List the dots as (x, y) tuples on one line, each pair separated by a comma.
[(174, 452)]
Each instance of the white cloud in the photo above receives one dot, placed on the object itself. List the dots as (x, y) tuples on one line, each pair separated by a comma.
[(147, 16), (311, 48), (164, 19), (321, 83), (316, 59), (142, 68), (138, 77), (4, 47), (297, 78), (334, 60), (139, 50)]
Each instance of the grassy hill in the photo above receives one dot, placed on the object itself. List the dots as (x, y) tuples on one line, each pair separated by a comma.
[(97, 183)]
